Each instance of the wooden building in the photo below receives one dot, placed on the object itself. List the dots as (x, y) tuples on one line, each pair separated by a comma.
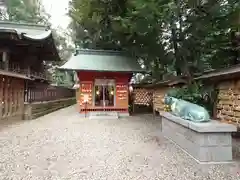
[(227, 83), (153, 94), (104, 79), (161, 88), (142, 94), (24, 48)]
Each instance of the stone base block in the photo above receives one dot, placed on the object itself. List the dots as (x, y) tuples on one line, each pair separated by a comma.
[(123, 114), (38, 109), (103, 115), (206, 142)]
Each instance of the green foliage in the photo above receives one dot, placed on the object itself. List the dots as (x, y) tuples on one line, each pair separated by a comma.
[(198, 94), (28, 11), (169, 36), (63, 78), (65, 49)]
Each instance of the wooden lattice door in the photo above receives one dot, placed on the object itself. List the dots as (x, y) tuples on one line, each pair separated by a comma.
[(142, 96)]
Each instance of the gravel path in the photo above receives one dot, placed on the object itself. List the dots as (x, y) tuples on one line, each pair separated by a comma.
[(64, 146)]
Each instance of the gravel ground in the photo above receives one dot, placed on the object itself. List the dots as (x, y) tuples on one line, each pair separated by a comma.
[(64, 146)]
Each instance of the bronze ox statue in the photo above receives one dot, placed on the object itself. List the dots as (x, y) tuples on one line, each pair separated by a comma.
[(187, 110)]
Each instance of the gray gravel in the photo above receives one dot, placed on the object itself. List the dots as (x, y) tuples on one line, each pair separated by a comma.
[(64, 146)]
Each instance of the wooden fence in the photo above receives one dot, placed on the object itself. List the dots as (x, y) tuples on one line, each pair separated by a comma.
[(11, 96), (48, 93)]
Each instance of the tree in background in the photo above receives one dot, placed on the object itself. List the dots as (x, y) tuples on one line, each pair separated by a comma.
[(169, 37), (30, 11), (65, 49)]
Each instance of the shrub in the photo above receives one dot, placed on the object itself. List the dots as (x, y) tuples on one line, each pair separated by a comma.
[(198, 94)]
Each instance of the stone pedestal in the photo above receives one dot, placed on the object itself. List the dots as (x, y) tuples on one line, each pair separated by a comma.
[(206, 142), (103, 115)]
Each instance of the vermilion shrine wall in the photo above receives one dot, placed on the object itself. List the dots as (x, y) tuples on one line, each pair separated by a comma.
[(87, 80)]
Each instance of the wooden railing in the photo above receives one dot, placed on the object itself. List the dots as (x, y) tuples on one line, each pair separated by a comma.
[(48, 93), (16, 68)]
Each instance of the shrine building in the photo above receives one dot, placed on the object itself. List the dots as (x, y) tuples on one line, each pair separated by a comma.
[(104, 78)]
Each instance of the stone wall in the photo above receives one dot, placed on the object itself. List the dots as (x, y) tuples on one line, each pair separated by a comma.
[(228, 106), (34, 110)]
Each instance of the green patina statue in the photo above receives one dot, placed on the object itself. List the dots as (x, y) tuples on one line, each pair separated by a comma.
[(187, 110)]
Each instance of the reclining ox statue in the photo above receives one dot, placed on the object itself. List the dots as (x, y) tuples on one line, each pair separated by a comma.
[(187, 110)]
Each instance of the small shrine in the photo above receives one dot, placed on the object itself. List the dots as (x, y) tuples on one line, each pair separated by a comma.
[(104, 78)]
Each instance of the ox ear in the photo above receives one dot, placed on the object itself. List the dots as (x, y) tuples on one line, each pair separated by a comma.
[(166, 99)]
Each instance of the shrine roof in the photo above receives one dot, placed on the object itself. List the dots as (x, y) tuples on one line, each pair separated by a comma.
[(230, 72), (31, 33), (102, 60)]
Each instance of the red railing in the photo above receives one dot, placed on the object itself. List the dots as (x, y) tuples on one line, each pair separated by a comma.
[(48, 93)]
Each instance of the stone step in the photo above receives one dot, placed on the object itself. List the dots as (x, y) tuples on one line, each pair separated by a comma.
[(103, 115)]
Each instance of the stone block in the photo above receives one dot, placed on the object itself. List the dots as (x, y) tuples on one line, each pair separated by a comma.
[(213, 139), (174, 119), (191, 148), (34, 110), (215, 154), (212, 126), (207, 142), (123, 114), (184, 131), (103, 115), (165, 127), (169, 125), (191, 135)]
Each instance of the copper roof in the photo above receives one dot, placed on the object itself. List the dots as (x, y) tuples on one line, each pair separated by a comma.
[(102, 60), (221, 73), (32, 33)]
